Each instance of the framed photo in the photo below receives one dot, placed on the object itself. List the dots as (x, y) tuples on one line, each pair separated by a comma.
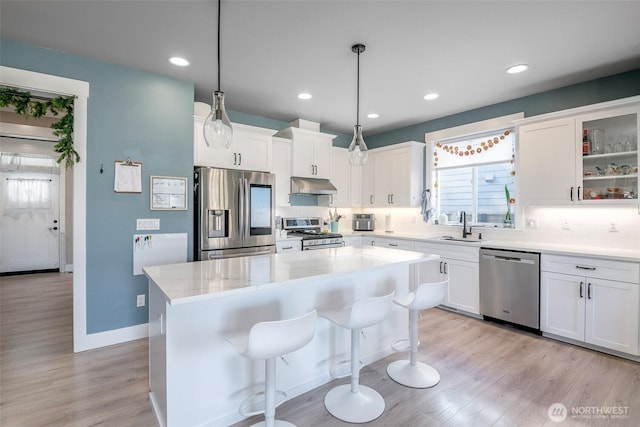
[(168, 193)]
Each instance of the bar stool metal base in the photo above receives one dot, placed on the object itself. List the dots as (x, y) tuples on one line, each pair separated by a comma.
[(359, 407), (277, 423), (419, 375)]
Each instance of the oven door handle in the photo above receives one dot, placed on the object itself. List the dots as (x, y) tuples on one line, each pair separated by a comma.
[(329, 246)]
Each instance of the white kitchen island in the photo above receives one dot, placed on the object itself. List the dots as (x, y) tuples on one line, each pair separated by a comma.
[(195, 376)]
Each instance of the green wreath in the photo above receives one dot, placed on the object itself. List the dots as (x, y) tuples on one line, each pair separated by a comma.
[(24, 104)]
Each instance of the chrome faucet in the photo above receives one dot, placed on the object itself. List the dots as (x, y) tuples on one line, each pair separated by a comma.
[(463, 220)]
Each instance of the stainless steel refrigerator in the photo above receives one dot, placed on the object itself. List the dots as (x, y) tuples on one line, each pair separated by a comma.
[(234, 213)]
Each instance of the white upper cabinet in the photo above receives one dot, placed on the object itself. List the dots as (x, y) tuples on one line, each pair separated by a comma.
[(393, 175), (341, 177), (310, 153), (281, 168), (546, 162), (554, 170), (249, 150)]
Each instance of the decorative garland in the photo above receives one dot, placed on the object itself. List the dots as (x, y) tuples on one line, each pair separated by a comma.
[(471, 149), (25, 105)]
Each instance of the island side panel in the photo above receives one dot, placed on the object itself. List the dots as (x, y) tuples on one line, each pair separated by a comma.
[(157, 353), (207, 380)]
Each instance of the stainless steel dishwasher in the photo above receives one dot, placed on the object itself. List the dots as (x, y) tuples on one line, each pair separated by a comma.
[(510, 287)]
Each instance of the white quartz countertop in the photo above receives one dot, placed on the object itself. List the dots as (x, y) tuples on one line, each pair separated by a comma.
[(607, 252), (190, 282)]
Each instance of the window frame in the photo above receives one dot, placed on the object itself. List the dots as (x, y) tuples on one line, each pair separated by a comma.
[(470, 129)]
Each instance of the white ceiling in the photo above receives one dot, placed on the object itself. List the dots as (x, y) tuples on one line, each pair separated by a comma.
[(272, 50)]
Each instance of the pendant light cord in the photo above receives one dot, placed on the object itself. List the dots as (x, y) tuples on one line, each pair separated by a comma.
[(358, 92), (219, 1)]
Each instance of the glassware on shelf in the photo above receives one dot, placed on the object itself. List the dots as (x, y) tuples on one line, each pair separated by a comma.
[(596, 137), (608, 148)]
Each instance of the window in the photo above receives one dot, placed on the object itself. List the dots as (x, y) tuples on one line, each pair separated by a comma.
[(471, 175)]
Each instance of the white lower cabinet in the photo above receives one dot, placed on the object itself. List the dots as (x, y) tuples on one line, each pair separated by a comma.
[(368, 241), (385, 242), (461, 265), (586, 307), (355, 241)]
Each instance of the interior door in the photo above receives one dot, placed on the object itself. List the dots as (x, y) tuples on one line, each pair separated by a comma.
[(29, 222)]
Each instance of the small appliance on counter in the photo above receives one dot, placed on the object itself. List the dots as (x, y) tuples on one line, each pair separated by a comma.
[(363, 222), (311, 232)]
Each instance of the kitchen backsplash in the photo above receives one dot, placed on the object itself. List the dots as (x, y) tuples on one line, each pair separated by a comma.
[(571, 225)]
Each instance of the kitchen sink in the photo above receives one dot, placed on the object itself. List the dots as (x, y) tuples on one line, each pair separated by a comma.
[(457, 239)]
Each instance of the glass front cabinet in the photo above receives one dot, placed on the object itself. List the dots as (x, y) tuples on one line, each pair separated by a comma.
[(587, 155), (607, 162)]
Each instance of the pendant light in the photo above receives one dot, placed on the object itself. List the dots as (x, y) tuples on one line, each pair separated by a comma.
[(358, 151), (218, 132)]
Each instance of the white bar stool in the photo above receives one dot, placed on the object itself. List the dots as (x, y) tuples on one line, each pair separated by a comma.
[(266, 341), (355, 403), (412, 373)]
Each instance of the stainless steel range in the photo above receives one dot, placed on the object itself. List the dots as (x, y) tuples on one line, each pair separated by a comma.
[(310, 229)]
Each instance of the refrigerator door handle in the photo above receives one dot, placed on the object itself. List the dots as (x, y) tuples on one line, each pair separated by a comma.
[(241, 200), (247, 230)]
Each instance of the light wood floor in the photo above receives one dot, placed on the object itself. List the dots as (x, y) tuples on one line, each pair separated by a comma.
[(491, 375)]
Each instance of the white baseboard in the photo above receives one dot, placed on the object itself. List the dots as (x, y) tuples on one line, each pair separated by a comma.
[(156, 410), (68, 268), (116, 336)]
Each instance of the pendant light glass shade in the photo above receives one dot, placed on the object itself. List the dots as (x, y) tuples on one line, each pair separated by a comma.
[(358, 151), (218, 132)]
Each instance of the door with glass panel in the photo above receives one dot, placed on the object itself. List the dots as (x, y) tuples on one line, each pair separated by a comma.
[(29, 222)]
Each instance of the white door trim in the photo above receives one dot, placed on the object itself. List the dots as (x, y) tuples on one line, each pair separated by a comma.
[(64, 86)]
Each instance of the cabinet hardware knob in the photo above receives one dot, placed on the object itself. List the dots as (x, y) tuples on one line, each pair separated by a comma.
[(589, 291)]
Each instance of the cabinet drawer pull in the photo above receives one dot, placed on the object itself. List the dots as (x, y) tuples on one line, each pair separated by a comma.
[(393, 244), (581, 285), (446, 268), (287, 247), (239, 159), (582, 267), (371, 199), (589, 291), (235, 159), (572, 194), (579, 193), (441, 267)]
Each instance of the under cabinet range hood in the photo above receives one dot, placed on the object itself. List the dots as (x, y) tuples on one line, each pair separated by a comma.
[(314, 186)]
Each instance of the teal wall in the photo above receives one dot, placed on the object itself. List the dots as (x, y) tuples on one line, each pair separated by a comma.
[(341, 139), (591, 92), (131, 114)]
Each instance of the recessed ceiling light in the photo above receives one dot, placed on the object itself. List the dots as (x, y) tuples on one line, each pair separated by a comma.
[(517, 68), (178, 61), (373, 115), (304, 95), (431, 96)]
